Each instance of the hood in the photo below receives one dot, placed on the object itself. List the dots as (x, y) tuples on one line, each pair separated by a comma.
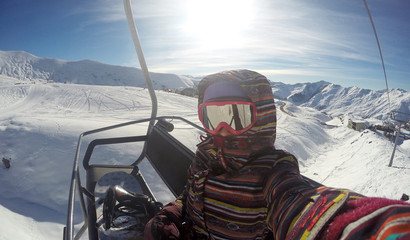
[(239, 149)]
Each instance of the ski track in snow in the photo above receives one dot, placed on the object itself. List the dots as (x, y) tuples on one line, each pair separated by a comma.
[(40, 124)]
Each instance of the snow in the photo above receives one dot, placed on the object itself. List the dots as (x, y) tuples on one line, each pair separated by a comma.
[(335, 99), (27, 67), (40, 123)]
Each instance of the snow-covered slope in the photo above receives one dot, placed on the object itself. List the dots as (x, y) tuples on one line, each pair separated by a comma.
[(353, 101), (26, 67), (39, 127), (323, 96), (40, 124)]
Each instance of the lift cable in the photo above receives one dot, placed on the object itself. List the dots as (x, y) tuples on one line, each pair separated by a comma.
[(380, 51)]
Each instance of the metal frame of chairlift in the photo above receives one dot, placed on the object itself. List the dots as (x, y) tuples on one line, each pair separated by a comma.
[(173, 155), (402, 119)]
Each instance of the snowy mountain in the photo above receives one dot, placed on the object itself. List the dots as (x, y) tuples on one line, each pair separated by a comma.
[(335, 99), (27, 67), (324, 96)]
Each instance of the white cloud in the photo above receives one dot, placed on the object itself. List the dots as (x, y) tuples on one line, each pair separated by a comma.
[(300, 38)]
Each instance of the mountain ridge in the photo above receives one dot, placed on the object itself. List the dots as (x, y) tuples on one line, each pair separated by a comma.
[(354, 101), (27, 67), (321, 95)]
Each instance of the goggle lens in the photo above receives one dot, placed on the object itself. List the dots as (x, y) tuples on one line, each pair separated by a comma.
[(237, 117)]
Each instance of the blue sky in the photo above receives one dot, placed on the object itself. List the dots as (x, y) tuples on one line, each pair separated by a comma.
[(291, 41)]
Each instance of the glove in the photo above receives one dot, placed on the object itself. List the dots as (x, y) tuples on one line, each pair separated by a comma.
[(160, 228), (165, 225)]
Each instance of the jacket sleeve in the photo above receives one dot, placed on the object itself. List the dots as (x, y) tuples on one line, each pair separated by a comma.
[(286, 193), (365, 218), (298, 209)]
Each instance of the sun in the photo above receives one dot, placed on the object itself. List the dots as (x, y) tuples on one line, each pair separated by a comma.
[(218, 23)]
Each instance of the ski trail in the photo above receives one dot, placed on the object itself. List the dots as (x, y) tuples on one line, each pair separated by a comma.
[(87, 99), (12, 99)]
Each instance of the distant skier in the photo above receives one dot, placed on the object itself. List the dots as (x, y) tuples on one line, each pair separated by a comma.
[(241, 187)]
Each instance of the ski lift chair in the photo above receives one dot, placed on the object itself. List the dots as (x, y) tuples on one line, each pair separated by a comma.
[(163, 151)]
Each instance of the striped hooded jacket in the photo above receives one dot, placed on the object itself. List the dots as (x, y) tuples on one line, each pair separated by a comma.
[(259, 193)]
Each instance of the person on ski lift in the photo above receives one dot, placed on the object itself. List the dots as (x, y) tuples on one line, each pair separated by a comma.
[(241, 187)]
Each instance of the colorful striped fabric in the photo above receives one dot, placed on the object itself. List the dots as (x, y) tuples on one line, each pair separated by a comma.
[(371, 218), (231, 205), (268, 197), (258, 193)]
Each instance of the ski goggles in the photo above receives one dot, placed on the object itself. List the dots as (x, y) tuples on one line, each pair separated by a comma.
[(235, 116)]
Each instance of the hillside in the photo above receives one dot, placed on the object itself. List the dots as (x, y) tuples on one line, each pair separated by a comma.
[(323, 96), (337, 100), (27, 67)]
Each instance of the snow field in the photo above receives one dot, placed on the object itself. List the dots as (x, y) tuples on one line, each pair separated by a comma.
[(40, 124)]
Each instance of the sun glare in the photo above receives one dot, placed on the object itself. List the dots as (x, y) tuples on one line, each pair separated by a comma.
[(218, 23)]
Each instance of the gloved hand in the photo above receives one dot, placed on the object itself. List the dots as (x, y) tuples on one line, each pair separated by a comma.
[(160, 228), (165, 225)]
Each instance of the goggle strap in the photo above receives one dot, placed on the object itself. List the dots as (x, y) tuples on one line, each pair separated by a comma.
[(238, 123), (210, 123)]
